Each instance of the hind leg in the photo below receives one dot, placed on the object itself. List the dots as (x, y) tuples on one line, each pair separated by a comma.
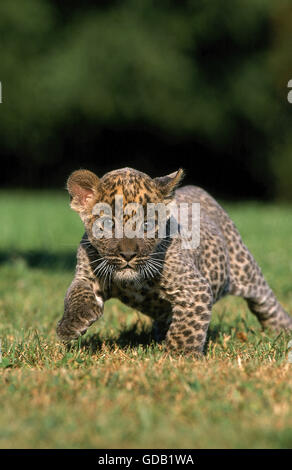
[(248, 282)]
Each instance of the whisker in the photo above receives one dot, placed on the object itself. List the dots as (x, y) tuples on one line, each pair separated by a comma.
[(100, 266), (156, 262), (154, 266), (95, 260), (149, 270), (158, 271)]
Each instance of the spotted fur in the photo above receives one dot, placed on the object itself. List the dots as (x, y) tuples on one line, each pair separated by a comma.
[(175, 287)]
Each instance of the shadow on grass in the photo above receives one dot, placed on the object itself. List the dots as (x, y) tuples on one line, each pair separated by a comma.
[(41, 259), (143, 336), (136, 336), (214, 333), (129, 337)]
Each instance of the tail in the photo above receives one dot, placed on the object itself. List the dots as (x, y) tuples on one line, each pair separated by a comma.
[(270, 312)]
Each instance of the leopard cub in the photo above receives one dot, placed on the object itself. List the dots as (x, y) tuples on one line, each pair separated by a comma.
[(176, 285)]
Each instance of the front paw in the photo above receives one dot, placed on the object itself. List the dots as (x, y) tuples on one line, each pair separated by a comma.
[(67, 333)]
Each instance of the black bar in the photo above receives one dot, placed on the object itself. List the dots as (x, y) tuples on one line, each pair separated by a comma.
[(134, 458)]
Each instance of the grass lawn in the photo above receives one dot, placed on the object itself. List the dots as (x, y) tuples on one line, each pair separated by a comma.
[(116, 388)]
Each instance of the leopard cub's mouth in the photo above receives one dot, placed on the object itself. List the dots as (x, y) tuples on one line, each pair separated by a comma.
[(126, 274)]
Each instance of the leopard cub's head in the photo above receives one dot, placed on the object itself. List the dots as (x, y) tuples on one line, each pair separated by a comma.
[(125, 216)]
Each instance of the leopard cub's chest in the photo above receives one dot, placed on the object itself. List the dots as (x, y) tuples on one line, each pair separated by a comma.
[(147, 298)]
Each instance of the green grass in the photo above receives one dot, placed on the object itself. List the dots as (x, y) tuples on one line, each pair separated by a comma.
[(116, 388)]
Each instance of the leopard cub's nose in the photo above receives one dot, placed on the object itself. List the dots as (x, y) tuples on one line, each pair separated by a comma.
[(128, 255)]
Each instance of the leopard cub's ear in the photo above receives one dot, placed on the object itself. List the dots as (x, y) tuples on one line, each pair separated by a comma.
[(167, 184), (82, 186)]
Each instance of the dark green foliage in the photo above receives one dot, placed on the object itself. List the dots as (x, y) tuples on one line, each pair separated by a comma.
[(214, 72)]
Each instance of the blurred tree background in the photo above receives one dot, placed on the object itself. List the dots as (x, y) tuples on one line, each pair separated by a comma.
[(149, 84)]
